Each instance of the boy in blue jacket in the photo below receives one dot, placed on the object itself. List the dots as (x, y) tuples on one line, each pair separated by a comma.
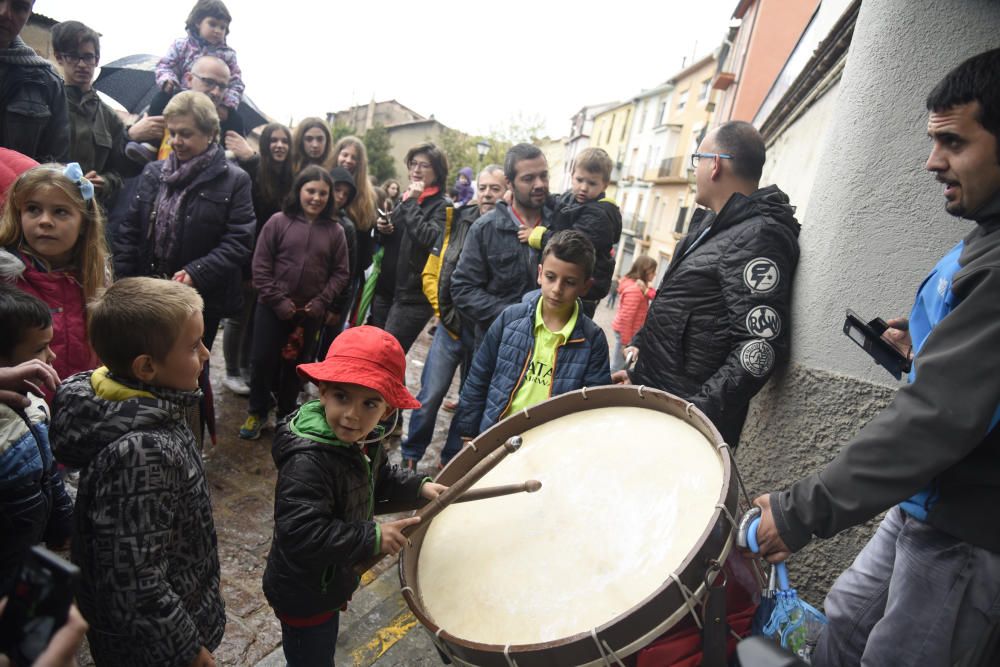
[(542, 347)]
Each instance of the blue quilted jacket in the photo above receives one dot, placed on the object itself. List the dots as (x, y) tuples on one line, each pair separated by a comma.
[(501, 360)]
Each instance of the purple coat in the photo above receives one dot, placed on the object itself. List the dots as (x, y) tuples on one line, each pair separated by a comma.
[(181, 56)]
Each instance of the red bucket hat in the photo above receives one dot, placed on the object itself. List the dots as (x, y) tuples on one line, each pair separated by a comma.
[(366, 356)]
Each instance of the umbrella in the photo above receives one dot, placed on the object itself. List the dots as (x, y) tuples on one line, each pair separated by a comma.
[(368, 289), (794, 623), (131, 81)]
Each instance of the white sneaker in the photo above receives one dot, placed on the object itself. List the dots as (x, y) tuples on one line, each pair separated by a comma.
[(235, 384)]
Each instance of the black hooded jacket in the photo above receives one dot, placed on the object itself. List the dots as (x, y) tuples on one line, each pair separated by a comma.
[(326, 495), (720, 321)]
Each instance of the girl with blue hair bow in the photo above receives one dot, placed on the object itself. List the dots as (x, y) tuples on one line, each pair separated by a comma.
[(52, 246)]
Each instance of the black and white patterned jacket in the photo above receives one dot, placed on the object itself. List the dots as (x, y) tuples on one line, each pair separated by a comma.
[(143, 538)]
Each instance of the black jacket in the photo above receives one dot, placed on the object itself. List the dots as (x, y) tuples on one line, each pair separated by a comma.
[(460, 225), (34, 119), (324, 500), (495, 269), (936, 447), (720, 321), (216, 235), (601, 222), (418, 227), (144, 537)]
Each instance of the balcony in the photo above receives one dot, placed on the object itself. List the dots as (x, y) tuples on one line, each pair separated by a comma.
[(671, 170), (634, 226)]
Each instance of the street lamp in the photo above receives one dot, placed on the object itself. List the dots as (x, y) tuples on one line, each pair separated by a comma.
[(482, 148)]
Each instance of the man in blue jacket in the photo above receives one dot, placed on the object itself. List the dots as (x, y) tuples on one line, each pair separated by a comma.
[(926, 587)]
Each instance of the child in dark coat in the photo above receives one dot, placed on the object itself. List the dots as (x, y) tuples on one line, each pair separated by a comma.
[(333, 476)]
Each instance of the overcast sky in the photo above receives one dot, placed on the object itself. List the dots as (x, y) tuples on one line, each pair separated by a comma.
[(474, 65)]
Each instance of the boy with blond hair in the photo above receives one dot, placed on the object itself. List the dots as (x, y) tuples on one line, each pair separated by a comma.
[(144, 538), (586, 209)]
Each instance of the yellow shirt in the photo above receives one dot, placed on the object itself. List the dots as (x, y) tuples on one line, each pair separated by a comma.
[(536, 384)]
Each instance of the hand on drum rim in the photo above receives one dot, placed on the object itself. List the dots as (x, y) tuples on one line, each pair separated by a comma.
[(772, 547)]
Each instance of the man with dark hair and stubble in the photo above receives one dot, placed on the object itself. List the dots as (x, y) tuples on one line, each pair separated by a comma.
[(720, 321), (924, 590), (496, 269)]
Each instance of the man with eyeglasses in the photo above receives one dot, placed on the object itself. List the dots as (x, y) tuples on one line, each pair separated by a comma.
[(209, 75), (720, 321), (97, 134), (33, 116)]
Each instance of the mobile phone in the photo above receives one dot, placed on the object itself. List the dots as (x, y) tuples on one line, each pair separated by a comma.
[(37, 607), (868, 336)]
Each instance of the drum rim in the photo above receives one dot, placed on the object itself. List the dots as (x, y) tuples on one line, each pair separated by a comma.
[(610, 396)]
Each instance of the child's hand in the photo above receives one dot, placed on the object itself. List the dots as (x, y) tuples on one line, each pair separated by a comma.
[(169, 87), (392, 535), (432, 490), (523, 233), (183, 277)]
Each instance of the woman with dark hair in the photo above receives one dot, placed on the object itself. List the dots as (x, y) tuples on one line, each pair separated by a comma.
[(271, 172), (408, 236), (392, 191), (300, 266), (311, 144)]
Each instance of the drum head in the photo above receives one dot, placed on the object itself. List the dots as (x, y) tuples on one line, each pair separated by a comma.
[(630, 488)]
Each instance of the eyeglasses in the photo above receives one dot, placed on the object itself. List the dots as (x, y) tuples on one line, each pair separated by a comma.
[(420, 165), (74, 58), (211, 83), (695, 156)]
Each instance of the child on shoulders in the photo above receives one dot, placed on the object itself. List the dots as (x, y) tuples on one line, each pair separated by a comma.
[(144, 538), (542, 347), (333, 475)]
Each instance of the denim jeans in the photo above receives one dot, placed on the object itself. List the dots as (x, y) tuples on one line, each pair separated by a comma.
[(237, 335), (442, 360), (618, 356), (406, 320), (310, 647), (914, 596)]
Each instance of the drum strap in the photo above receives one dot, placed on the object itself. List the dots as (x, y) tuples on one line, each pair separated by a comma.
[(715, 630)]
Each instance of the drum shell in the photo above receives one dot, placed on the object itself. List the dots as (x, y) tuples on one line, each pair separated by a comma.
[(646, 621)]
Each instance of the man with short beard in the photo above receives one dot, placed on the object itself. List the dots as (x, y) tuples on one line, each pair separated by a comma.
[(924, 590), (453, 341), (496, 269)]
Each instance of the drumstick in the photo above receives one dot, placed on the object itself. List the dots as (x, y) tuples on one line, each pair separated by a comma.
[(530, 486), (450, 495)]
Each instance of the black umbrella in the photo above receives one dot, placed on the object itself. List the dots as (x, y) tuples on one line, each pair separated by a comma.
[(131, 81)]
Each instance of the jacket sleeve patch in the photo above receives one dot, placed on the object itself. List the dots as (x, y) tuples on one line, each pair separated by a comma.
[(761, 275), (757, 358), (763, 322)]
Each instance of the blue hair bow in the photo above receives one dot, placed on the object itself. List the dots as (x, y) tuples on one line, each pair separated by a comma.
[(74, 173)]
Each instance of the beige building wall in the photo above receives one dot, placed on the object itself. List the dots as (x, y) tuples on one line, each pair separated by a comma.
[(671, 199), (555, 155), (406, 136), (611, 132)]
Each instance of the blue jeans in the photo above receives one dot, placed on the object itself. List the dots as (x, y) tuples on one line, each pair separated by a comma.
[(914, 596), (310, 647), (618, 356), (442, 360)]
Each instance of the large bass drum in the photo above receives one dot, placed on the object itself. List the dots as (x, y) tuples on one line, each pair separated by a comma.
[(633, 517)]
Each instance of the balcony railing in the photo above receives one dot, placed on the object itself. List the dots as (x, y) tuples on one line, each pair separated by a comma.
[(671, 167), (634, 226)]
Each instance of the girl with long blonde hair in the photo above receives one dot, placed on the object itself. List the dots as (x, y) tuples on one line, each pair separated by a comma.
[(52, 240)]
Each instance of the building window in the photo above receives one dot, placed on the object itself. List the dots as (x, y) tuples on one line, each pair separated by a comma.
[(706, 86), (642, 118), (663, 113), (682, 100), (681, 219), (628, 113), (611, 128)]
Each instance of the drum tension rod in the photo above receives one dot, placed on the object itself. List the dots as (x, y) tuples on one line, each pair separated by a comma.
[(600, 649)]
